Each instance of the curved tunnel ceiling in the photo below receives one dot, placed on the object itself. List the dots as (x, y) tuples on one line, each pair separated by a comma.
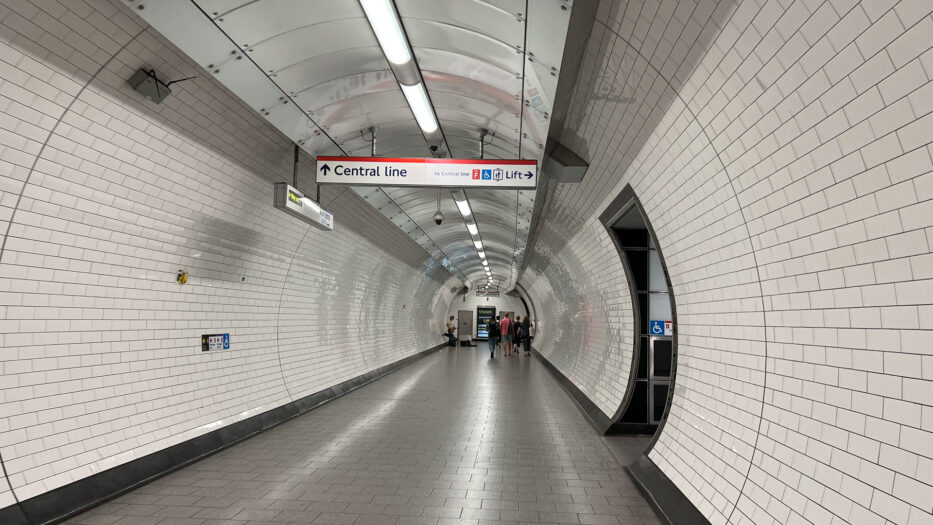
[(486, 65)]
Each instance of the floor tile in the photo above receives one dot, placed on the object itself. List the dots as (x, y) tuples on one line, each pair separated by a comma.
[(454, 438)]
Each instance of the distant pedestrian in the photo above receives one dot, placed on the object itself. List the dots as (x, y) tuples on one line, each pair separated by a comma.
[(451, 327), (517, 334), (505, 328), (492, 329), (526, 334), (498, 334)]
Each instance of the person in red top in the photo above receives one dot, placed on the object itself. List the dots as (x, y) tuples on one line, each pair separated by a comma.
[(504, 328)]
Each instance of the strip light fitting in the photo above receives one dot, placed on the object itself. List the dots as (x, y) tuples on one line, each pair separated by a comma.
[(464, 207), (385, 22), (420, 106)]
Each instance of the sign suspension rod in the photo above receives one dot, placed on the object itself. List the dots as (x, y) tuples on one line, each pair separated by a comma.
[(295, 169)]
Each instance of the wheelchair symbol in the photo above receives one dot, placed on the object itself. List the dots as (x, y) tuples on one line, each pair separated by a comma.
[(656, 328)]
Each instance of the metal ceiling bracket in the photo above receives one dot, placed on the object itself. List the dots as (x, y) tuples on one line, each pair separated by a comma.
[(371, 140)]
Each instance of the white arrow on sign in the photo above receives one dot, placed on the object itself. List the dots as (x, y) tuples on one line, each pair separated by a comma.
[(455, 173)]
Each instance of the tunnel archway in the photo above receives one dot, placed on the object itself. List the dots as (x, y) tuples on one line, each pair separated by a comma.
[(647, 400)]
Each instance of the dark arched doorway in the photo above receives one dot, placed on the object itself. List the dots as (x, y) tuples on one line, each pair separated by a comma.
[(645, 406)]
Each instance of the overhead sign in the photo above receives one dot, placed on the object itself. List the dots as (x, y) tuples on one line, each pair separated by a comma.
[(661, 328), (295, 203), (456, 173)]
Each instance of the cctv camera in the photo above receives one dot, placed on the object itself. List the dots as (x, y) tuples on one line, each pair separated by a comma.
[(433, 147), (438, 218)]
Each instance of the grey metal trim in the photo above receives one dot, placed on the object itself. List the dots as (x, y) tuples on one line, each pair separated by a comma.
[(582, 20)]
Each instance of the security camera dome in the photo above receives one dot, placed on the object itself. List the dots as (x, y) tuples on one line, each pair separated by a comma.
[(438, 218)]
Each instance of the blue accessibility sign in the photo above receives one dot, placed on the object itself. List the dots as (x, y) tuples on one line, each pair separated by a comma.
[(487, 175), (660, 327)]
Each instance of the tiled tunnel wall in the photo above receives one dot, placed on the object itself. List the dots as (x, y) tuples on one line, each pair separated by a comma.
[(104, 196), (781, 149), (584, 310)]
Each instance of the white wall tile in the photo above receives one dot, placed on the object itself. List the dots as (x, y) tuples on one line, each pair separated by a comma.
[(100, 352), (843, 259)]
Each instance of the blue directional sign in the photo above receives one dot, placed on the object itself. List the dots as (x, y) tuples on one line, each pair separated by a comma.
[(226, 341)]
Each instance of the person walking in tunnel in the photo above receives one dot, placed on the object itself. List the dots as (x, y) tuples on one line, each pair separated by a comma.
[(517, 335), (450, 332), (498, 334), (505, 328), (492, 331), (526, 335)]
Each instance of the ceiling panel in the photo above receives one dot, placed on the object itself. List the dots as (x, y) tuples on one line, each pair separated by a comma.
[(362, 68), (454, 64), (256, 22), (280, 51), (480, 17), (314, 69), (432, 35)]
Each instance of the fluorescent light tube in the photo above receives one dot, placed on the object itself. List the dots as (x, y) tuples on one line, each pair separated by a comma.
[(473, 229), (464, 208), (482, 255), (384, 20), (478, 244), (420, 106)]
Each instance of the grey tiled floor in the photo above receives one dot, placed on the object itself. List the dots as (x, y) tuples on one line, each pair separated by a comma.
[(453, 438)]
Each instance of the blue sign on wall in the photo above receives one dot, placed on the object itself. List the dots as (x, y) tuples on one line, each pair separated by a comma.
[(656, 327), (660, 327), (226, 341)]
